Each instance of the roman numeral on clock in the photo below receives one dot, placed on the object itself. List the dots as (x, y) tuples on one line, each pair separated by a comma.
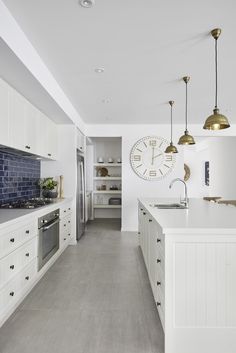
[(169, 158), (137, 158), (152, 173)]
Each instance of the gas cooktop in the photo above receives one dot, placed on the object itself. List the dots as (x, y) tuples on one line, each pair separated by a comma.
[(28, 203)]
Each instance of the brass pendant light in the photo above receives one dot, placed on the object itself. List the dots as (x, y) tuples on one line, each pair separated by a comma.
[(171, 148), (186, 139), (216, 121)]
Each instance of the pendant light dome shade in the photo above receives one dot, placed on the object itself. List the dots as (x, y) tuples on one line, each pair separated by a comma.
[(186, 139), (171, 148), (216, 121)]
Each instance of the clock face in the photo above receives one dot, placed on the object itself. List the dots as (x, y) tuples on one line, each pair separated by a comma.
[(149, 160)]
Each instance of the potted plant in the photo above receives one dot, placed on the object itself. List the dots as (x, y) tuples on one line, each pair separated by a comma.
[(48, 186)]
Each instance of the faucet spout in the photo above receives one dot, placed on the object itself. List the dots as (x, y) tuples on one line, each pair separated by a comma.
[(185, 200)]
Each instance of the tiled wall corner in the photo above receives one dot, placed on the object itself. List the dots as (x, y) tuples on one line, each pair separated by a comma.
[(18, 177)]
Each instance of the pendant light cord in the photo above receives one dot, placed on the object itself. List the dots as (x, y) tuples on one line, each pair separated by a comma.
[(171, 125), (216, 73), (186, 109)]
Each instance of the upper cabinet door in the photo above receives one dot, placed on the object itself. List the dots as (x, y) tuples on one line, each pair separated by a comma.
[(17, 110), (31, 135), (51, 142), (4, 112)]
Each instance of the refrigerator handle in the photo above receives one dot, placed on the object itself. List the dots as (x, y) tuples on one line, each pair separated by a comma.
[(83, 188)]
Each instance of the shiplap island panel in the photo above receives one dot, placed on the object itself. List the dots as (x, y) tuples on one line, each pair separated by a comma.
[(190, 257)]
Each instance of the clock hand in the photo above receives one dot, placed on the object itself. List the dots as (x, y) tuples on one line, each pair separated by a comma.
[(158, 155), (152, 155)]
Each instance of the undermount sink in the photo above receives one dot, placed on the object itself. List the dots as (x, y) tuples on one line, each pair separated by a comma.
[(169, 206)]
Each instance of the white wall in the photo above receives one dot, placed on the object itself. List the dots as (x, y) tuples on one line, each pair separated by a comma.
[(195, 157), (134, 187), (222, 167)]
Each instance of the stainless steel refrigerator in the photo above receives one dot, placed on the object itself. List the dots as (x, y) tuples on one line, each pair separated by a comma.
[(80, 197)]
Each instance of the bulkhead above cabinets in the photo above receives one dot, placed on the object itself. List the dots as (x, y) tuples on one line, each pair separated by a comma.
[(24, 127)]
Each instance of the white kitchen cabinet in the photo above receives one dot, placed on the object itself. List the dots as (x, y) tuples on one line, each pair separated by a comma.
[(31, 135), (65, 225), (17, 109), (4, 113), (24, 127), (80, 141)]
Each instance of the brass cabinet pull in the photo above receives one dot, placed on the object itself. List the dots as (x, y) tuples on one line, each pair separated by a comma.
[(27, 231), (27, 278), (158, 261), (158, 283), (158, 303), (12, 240), (11, 294), (150, 220), (27, 254), (12, 267), (158, 240)]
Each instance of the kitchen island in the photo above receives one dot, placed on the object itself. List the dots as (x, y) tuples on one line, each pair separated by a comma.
[(190, 256)]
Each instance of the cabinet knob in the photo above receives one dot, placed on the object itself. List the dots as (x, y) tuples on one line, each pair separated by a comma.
[(11, 294), (27, 254), (27, 231), (141, 209), (27, 278), (69, 234), (64, 211), (150, 220), (64, 238), (12, 240), (69, 209), (12, 267), (49, 154), (158, 303), (27, 147), (158, 240), (158, 283), (158, 261), (144, 213), (68, 221), (64, 225)]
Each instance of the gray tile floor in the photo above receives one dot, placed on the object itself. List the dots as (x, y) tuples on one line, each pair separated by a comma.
[(96, 298)]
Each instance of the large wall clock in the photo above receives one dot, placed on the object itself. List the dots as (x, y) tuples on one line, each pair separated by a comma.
[(149, 160)]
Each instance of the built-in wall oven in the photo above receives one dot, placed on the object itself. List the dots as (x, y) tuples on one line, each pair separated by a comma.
[(48, 226)]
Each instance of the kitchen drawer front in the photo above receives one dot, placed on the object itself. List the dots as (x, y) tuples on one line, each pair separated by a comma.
[(65, 210), (65, 230), (17, 260), (12, 237), (17, 287)]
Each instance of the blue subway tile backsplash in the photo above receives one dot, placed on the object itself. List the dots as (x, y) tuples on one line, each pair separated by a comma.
[(18, 177)]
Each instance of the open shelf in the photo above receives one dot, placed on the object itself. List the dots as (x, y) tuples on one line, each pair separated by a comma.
[(107, 206), (107, 164), (107, 178), (107, 192)]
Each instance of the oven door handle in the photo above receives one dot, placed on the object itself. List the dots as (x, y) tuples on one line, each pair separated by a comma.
[(50, 226)]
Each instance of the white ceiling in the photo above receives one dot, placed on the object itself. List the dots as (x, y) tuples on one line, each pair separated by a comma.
[(145, 48)]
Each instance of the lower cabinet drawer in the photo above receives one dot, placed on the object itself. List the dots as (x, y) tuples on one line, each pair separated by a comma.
[(14, 236), (17, 260), (65, 230), (17, 287)]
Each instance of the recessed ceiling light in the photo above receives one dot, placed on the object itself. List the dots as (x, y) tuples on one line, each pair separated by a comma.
[(99, 70), (86, 3)]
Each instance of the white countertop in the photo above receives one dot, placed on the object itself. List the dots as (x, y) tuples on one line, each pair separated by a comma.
[(199, 217), (8, 216)]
